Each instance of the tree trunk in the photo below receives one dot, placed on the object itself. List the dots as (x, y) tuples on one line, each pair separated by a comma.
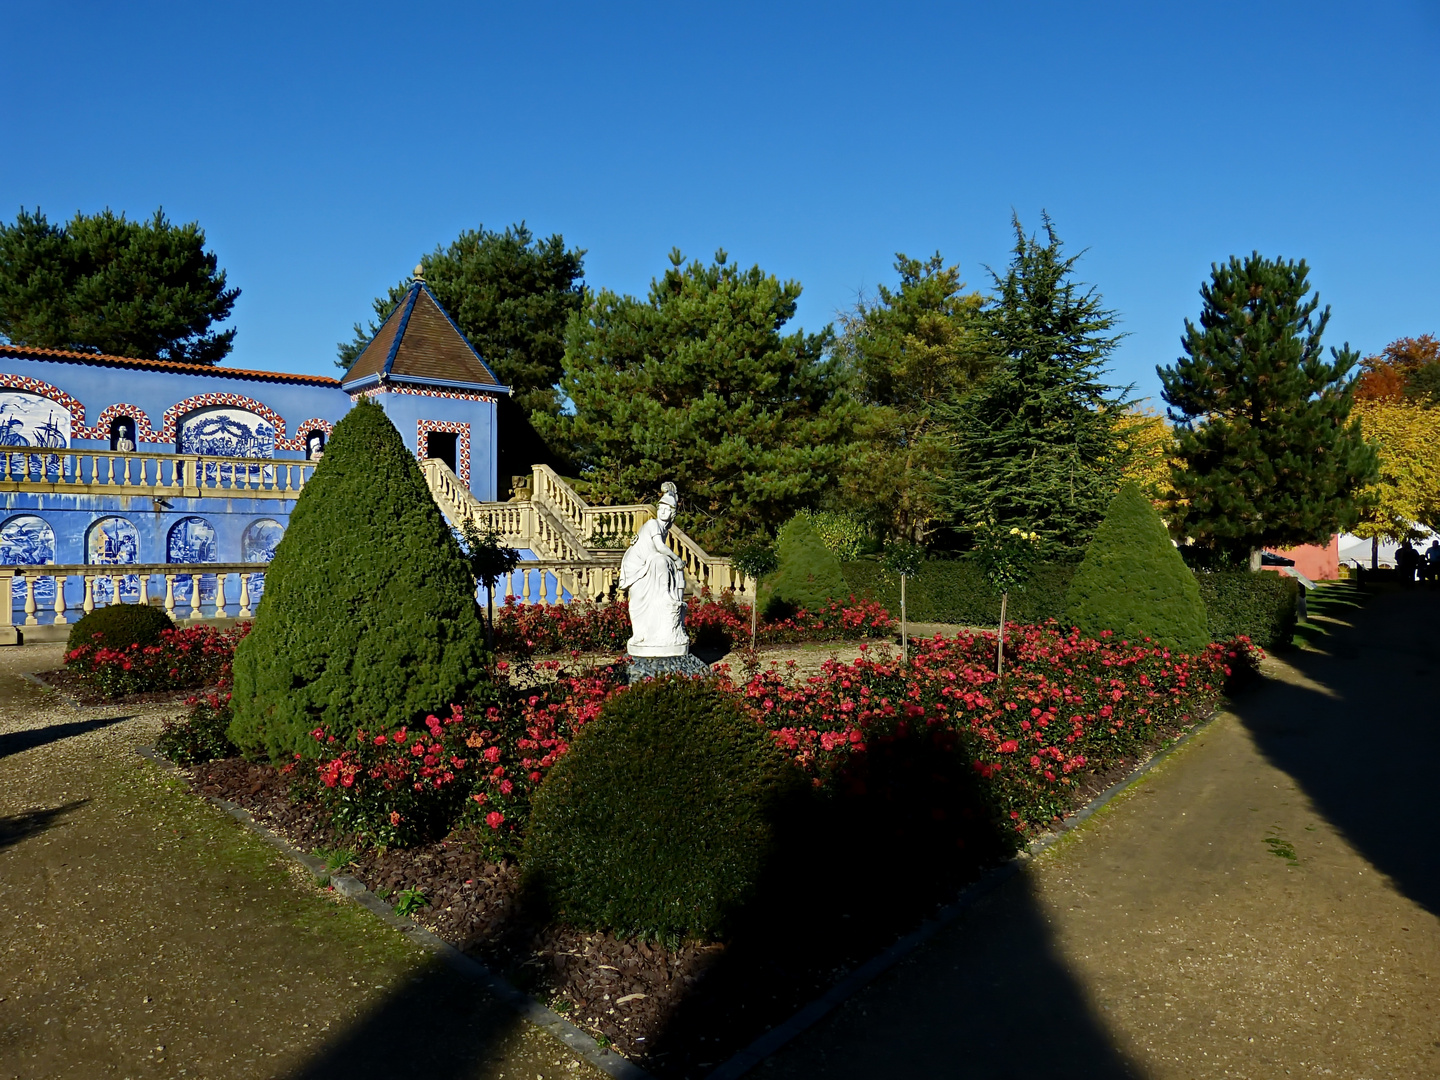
[(1000, 645), (754, 616), (1375, 552), (1255, 559), (904, 633)]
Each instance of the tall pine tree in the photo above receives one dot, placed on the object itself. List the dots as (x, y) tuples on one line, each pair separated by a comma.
[(697, 384), (1036, 445), (1268, 454)]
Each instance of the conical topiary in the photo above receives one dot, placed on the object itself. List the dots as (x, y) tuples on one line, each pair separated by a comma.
[(369, 618), (1134, 583), (807, 576)]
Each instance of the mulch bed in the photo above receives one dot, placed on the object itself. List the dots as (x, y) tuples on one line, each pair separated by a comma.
[(676, 1009), (69, 684)]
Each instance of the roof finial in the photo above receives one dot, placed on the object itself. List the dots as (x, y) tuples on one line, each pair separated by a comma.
[(419, 271)]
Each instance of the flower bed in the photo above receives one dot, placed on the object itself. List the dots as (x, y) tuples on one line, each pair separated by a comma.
[(535, 630), (190, 658), (923, 774)]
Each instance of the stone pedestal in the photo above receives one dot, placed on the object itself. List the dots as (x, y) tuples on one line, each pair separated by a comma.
[(648, 667)]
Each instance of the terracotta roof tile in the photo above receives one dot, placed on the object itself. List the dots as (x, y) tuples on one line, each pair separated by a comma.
[(69, 357)]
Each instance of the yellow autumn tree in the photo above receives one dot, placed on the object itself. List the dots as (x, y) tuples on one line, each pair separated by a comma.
[(1407, 436), (1149, 444)]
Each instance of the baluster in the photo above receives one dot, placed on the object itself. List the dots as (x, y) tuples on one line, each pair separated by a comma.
[(28, 584), (509, 586), (109, 469), (195, 612), (543, 600), (60, 619), (220, 595), (525, 586), (244, 612), (114, 588), (88, 604), (144, 590), (170, 596), (127, 471)]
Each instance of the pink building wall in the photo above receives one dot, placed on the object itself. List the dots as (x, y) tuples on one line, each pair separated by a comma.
[(1315, 562)]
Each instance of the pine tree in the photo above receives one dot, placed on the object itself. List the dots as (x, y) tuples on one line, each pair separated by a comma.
[(1036, 444), (696, 384), (369, 619), (1268, 454), (105, 284), (908, 351)]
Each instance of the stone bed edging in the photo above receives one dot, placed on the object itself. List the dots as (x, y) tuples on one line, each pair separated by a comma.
[(620, 1067), (352, 888)]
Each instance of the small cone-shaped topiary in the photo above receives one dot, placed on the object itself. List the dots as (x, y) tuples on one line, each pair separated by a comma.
[(1134, 583), (807, 575), (369, 619)]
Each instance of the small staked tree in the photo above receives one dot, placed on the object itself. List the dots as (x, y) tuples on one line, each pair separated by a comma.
[(1037, 441), (1006, 558), (755, 561), (1268, 454), (490, 559), (903, 558)]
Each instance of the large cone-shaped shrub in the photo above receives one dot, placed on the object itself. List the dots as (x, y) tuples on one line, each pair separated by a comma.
[(369, 618), (808, 575), (1134, 582)]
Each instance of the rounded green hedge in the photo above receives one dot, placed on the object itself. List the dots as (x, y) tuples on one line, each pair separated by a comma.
[(663, 817), (808, 575), (120, 626), (1134, 583)]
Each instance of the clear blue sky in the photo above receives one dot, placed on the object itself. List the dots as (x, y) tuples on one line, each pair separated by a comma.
[(324, 148)]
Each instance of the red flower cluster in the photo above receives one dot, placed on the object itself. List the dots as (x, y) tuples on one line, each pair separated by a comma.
[(186, 659)]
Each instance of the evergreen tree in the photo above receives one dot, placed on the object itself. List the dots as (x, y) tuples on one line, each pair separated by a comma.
[(909, 350), (1267, 453), (105, 284), (696, 384), (369, 619), (1036, 445), (1134, 583), (511, 295)]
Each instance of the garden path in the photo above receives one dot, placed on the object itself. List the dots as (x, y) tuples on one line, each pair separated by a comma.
[(1264, 903), (144, 933)]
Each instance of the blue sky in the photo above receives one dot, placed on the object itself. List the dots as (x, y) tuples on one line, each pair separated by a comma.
[(325, 147)]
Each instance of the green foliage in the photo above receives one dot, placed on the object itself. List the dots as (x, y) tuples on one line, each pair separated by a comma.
[(907, 351), (807, 575), (1260, 605), (1005, 556), (844, 535), (120, 626), (369, 619), (199, 736), (903, 557), (489, 559), (697, 385), (1268, 454), (956, 591), (1133, 581), (511, 295), (409, 902), (1037, 445), (102, 283), (662, 818), (755, 560)]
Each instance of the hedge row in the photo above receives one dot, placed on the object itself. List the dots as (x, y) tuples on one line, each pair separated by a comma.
[(1259, 606)]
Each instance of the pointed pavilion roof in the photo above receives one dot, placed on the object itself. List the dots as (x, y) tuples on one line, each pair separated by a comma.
[(420, 344)]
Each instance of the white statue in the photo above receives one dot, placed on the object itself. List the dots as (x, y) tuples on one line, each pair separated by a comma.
[(655, 577)]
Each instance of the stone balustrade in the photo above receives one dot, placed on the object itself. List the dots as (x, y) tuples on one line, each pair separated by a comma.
[(153, 582), (105, 472)]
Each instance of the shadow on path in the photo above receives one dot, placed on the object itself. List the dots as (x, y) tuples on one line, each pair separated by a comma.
[(15, 741), (16, 827), (441, 1026), (1363, 739)]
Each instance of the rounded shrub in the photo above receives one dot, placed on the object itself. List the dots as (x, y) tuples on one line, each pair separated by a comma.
[(1134, 583), (120, 626), (663, 817), (369, 620), (807, 575)]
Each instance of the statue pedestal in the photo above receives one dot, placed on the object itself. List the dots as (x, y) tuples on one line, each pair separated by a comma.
[(648, 667)]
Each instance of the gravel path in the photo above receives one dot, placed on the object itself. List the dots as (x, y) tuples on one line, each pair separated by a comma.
[(1264, 904), (143, 933)]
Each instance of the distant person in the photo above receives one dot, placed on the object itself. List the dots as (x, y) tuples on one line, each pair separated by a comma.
[(1406, 558), (1431, 567)]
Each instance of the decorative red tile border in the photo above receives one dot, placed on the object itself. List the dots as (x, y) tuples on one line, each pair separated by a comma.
[(101, 431), (239, 401), (301, 431), (55, 394), (422, 391), (448, 427)]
